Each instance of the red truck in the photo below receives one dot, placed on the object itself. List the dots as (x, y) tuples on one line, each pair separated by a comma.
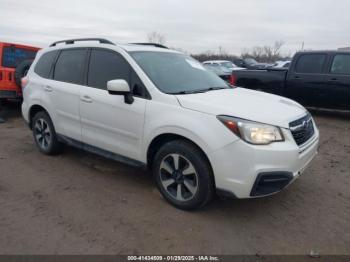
[(15, 61)]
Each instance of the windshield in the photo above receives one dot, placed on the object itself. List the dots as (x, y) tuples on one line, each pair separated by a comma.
[(175, 73), (228, 64), (250, 61)]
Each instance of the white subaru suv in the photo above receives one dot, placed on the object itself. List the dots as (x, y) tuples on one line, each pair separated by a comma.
[(154, 107)]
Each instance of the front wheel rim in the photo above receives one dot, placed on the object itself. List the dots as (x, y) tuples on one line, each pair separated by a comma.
[(42, 134), (178, 177)]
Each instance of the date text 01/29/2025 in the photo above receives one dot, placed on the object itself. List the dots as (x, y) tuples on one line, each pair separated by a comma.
[(173, 258)]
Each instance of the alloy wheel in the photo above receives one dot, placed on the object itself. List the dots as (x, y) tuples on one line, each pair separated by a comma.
[(178, 177), (42, 133)]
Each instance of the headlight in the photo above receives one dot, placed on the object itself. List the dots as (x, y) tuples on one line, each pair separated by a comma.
[(252, 132)]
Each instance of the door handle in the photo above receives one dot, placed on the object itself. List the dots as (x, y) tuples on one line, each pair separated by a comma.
[(48, 88), (86, 99), (296, 77)]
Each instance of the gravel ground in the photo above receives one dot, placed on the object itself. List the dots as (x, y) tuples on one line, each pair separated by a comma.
[(79, 203)]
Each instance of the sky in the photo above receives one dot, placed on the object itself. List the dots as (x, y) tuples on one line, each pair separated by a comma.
[(192, 25)]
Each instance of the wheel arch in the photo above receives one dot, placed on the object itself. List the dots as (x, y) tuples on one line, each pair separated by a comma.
[(161, 139), (34, 109)]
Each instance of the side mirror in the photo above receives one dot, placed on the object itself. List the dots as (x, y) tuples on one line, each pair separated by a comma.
[(120, 87)]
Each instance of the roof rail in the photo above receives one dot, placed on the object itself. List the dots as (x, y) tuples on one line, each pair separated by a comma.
[(151, 44), (71, 41)]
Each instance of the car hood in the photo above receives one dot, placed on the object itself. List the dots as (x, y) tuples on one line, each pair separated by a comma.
[(247, 104)]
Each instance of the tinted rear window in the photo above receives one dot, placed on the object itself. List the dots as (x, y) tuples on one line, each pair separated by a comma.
[(341, 64), (43, 67), (13, 56), (310, 63), (70, 65)]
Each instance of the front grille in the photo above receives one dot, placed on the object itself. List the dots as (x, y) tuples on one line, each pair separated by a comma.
[(302, 129)]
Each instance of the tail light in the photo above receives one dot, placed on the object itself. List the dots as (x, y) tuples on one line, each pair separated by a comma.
[(0, 75), (233, 80), (24, 81)]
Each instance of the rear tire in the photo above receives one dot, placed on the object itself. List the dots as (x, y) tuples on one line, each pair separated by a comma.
[(183, 175), (45, 135)]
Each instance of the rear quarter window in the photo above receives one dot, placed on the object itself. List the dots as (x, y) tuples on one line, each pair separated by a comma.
[(311, 63), (44, 65)]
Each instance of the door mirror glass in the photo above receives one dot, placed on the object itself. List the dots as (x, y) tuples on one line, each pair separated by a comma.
[(118, 87)]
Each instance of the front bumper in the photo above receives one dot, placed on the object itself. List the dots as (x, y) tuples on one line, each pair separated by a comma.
[(239, 166)]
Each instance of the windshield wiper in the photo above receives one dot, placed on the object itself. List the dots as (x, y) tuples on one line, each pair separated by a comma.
[(217, 88), (214, 89), (199, 91), (187, 92)]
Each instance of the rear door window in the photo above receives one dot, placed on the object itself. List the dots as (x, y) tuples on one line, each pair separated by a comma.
[(341, 64), (70, 65), (44, 65), (13, 56), (311, 63)]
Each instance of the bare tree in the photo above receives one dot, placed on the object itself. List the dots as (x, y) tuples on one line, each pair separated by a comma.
[(156, 37), (265, 53), (277, 48), (210, 55), (222, 51)]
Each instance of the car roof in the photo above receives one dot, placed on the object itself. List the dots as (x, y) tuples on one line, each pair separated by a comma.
[(136, 47), (126, 47)]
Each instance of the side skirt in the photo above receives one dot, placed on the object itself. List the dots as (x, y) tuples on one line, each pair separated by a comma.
[(101, 152)]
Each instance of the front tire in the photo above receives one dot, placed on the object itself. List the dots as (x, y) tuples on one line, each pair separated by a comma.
[(183, 175), (45, 135)]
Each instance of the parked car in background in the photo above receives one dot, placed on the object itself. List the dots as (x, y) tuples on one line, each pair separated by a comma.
[(251, 63), (223, 63), (281, 64), (15, 61), (317, 79), (159, 108), (223, 72)]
